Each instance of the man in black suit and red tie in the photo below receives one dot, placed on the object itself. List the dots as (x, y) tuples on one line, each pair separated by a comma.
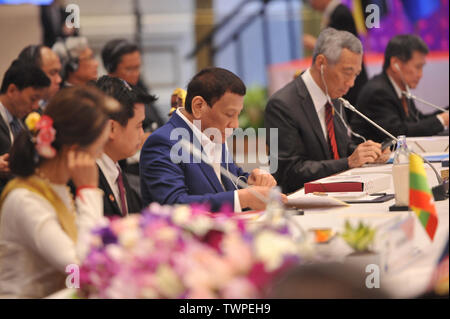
[(382, 98), (338, 16), (125, 139), (313, 141)]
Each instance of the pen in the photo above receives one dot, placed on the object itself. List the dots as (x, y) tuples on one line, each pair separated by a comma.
[(320, 194)]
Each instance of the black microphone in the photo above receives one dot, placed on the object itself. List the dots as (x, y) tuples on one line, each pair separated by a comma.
[(440, 192)]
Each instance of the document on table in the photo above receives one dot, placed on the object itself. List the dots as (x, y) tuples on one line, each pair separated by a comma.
[(311, 201)]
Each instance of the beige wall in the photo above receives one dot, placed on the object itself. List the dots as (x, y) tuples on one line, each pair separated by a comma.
[(19, 27)]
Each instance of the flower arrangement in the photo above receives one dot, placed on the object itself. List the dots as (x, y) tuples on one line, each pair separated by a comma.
[(41, 128), (184, 252)]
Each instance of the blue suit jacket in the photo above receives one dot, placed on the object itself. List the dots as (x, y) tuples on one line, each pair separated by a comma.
[(166, 182)]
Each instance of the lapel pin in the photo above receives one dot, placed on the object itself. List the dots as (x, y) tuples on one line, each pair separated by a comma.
[(111, 198)]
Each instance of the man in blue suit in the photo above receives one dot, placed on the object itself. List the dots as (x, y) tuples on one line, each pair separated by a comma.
[(170, 174)]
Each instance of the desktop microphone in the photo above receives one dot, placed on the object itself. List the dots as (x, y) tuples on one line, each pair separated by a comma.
[(198, 155), (440, 192), (411, 96)]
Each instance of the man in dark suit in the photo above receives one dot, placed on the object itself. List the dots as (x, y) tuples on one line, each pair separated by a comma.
[(312, 138), (23, 86), (125, 139), (215, 97), (338, 16), (382, 98), (79, 65), (122, 59)]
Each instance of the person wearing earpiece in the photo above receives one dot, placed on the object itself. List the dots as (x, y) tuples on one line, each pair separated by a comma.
[(313, 136), (79, 65), (170, 174), (122, 59), (384, 98)]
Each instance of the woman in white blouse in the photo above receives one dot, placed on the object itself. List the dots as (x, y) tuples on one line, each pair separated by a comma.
[(41, 226)]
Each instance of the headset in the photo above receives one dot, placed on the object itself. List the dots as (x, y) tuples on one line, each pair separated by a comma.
[(340, 112), (71, 65), (408, 100)]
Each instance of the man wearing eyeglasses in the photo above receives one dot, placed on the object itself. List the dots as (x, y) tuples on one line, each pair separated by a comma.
[(78, 60)]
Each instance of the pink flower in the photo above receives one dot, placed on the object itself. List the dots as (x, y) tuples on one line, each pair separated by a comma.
[(45, 122)]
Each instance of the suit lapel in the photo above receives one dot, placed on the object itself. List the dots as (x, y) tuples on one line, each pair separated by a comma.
[(398, 102), (109, 197), (311, 115), (4, 129)]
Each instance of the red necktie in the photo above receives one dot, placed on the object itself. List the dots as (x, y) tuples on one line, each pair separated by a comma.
[(405, 105), (330, 129), (122, 195)]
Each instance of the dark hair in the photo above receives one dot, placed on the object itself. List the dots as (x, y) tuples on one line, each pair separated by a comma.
[(31, 54), (24, 75), (126, 94), (211, 84), (79, 116), (402, 46), (113, 51)]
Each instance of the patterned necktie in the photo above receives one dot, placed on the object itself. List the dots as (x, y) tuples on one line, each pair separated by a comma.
[(123, 201), (330, 129), (15, 127), (405, 105)]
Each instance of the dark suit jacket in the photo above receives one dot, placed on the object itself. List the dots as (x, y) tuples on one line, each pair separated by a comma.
[(380, 102), (5, 139), (5, 146), (342, 19), (303, 152), (110, 206), (188, 181)]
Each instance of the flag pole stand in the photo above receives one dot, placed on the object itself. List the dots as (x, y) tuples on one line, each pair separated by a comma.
[(395, 208)]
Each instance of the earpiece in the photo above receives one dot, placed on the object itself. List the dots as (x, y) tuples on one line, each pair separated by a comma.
[(321, 69), (397, 67)]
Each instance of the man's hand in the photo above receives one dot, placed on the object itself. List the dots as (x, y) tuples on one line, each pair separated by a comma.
[(249, 200), (259, 177), (444, 118), (367, 152), (4, 164), (383, 158)]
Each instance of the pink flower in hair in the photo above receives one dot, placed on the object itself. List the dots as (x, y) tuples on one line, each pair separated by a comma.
[(45, 137)]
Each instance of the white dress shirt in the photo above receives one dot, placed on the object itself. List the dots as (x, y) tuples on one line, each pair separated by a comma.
[(111, 172), (213, 152), (319, 99), (34, 249)]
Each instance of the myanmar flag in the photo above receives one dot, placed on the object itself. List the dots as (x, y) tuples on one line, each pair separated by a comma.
[(420, 196)]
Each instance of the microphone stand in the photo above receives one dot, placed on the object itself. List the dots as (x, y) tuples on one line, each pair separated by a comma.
[(440, 192), (198, 154), (411, 96)]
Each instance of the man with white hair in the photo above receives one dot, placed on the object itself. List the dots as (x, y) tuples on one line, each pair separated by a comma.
[(315, 142), (77, 58)]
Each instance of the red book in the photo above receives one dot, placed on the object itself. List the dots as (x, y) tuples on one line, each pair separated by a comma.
[(369, 183)]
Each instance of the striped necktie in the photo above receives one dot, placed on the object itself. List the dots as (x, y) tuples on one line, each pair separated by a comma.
[(16, 127), (122, 194), (329, 112)]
